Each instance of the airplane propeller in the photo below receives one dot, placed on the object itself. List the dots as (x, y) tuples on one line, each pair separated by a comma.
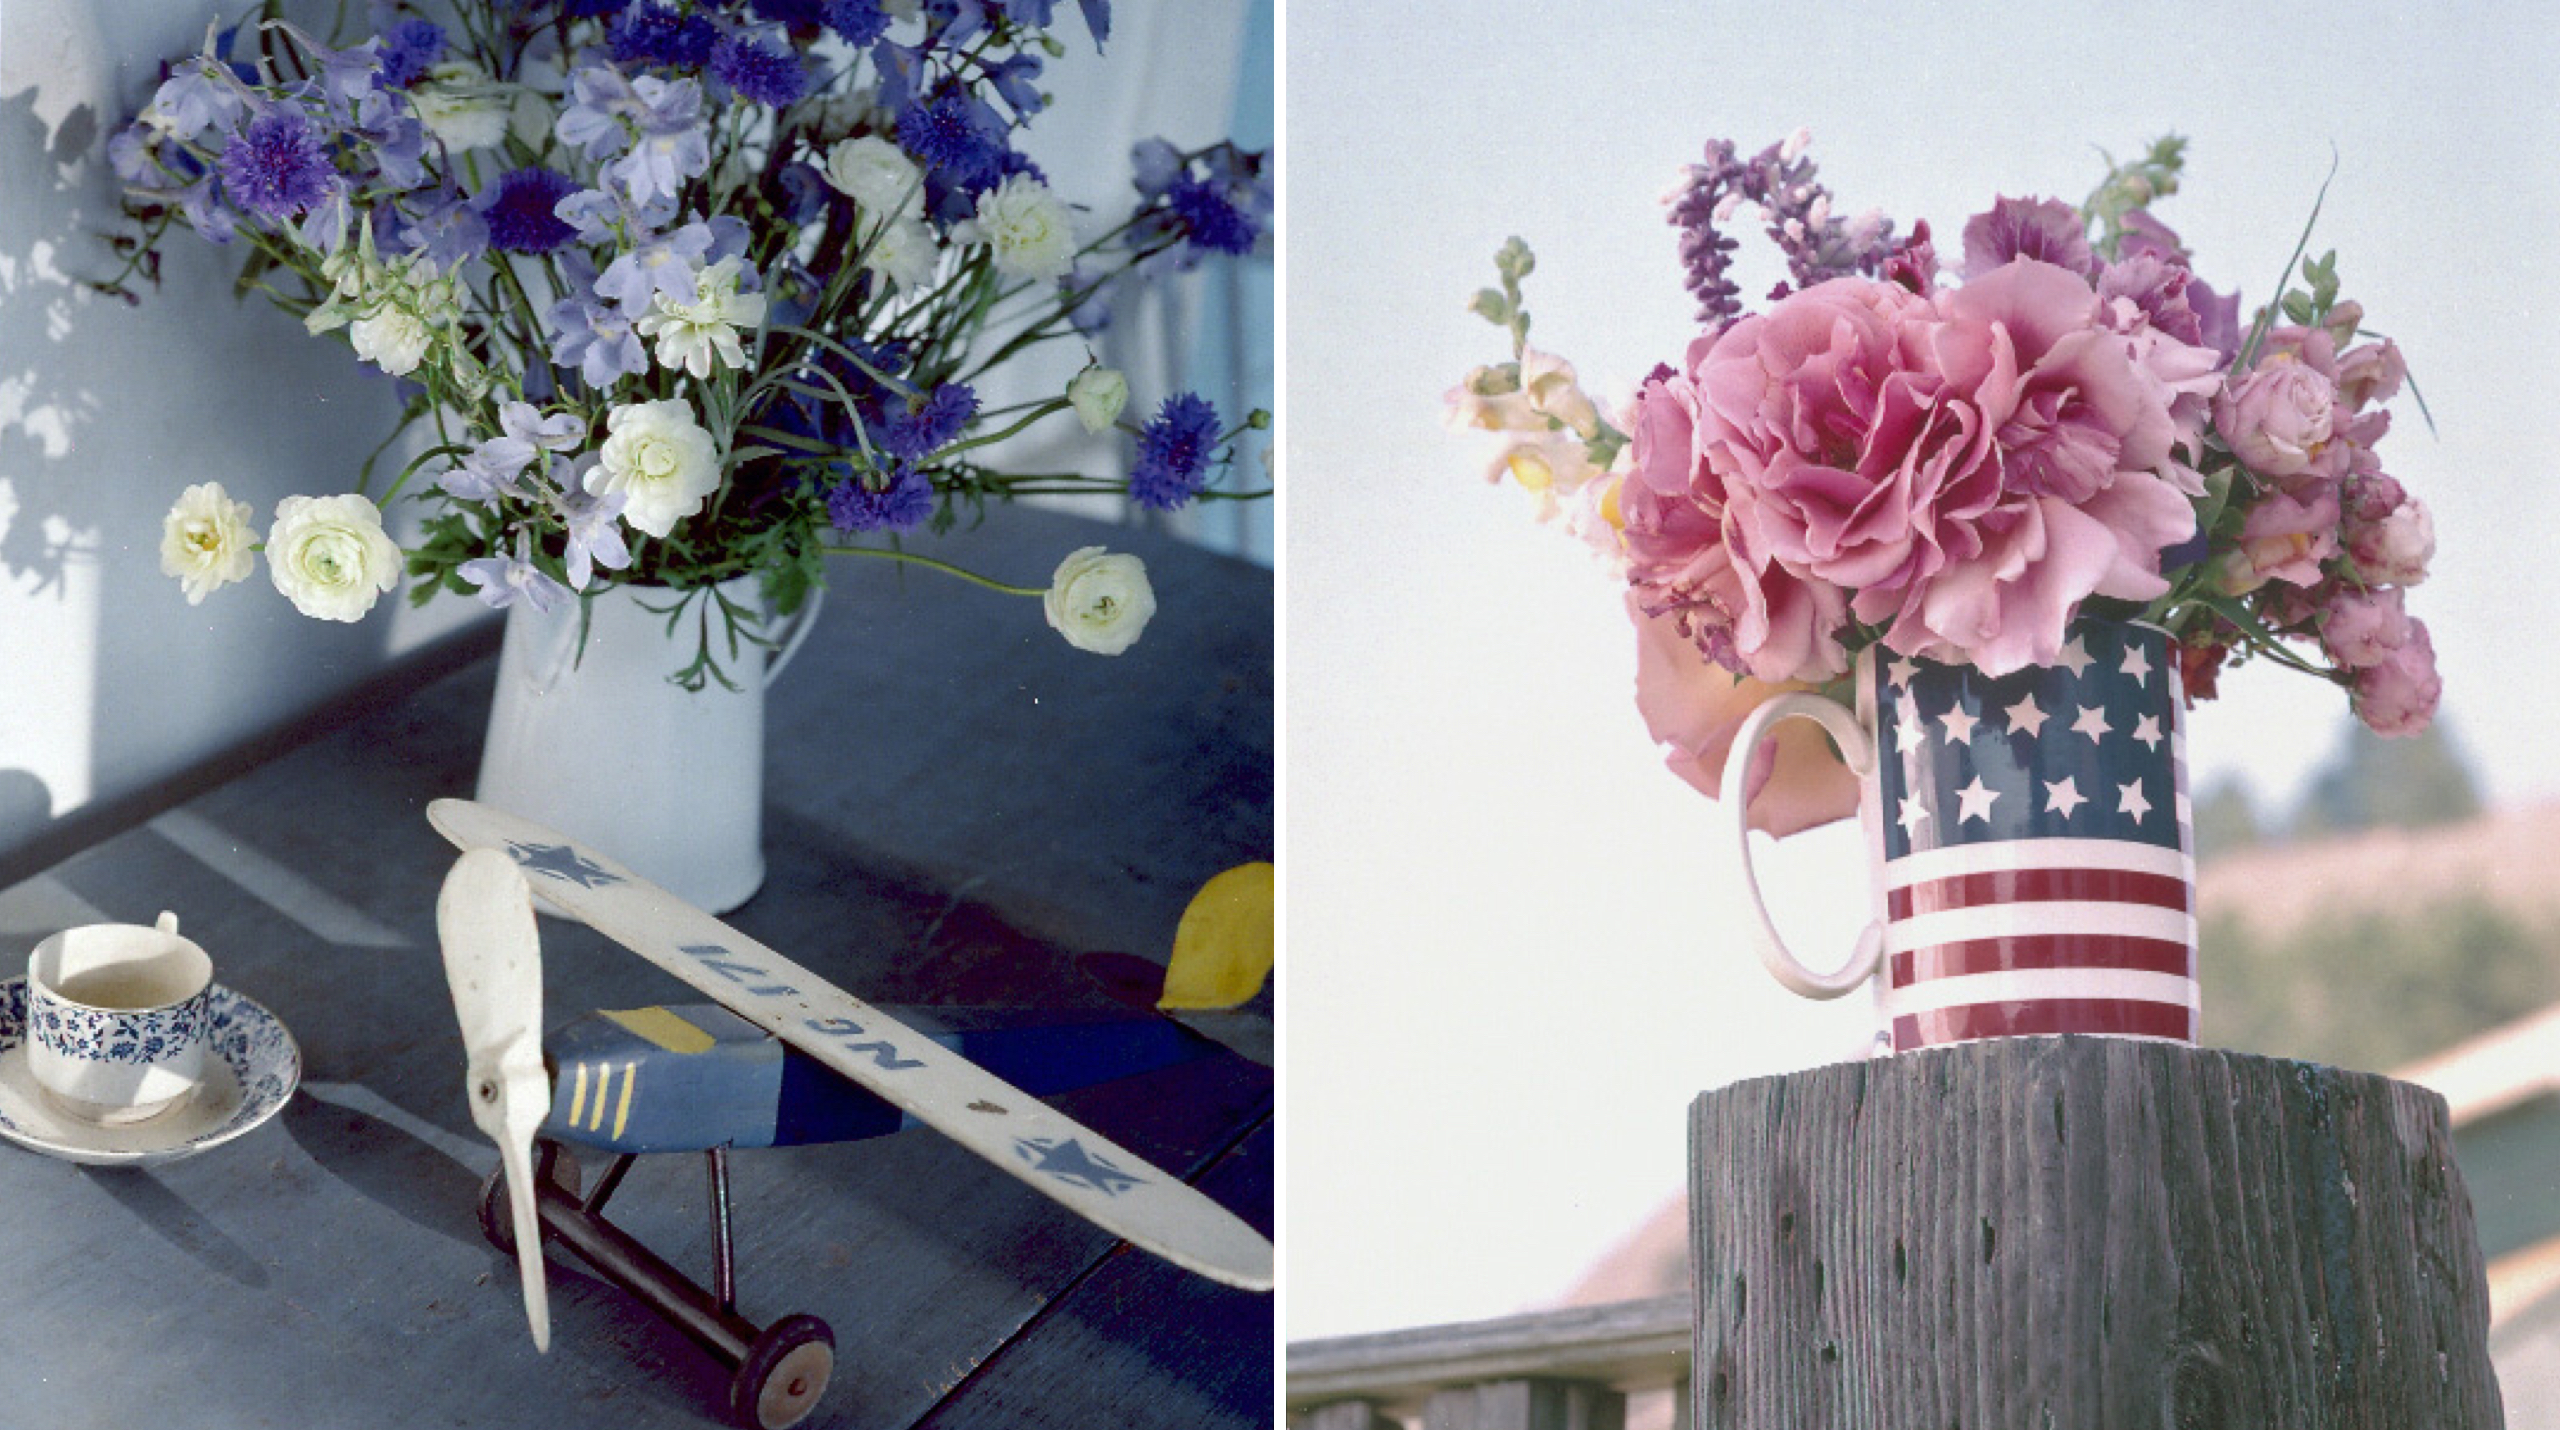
[(493, 963)]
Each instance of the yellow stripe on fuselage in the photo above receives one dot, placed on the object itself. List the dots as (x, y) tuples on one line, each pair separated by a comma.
[(622, 1111), (578, 1095), (662, 1027)]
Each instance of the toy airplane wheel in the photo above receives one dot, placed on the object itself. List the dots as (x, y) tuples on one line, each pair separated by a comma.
[(551, 1165), (785, 1372)]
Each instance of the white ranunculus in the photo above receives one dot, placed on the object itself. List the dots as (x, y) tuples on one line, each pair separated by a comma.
[(205, 541), (329, 556), (875, 174), (1028, 227), (904, 253), (659, 460), (1097, 394), (461, 106), (1100, 602), (691, 335), (392, 339)]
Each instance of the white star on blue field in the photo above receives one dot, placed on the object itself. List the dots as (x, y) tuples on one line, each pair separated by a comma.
[(559, 861), (1069, 1162)]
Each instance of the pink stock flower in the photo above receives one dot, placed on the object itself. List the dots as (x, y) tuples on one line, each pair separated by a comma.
[(2284, 538), (1695, 706), (2363, 628), (2398, 695)]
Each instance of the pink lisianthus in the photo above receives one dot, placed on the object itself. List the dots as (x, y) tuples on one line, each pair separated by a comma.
[(2395, 545), (2397, 696), (2364, 628), (2370, 374), (1695, 707)]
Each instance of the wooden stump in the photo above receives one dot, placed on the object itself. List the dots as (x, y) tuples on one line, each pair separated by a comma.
[(2083, 1233)]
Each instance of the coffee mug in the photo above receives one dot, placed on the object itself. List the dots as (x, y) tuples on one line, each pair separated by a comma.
[(2031, 862), (117, 1019)]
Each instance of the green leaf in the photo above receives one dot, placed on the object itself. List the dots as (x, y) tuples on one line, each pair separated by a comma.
[(2297, 306)]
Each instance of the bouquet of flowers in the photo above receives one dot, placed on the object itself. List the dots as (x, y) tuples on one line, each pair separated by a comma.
[(1955, 464), (684, 290)]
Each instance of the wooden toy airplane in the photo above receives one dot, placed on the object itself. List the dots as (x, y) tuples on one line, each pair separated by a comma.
[(784, 1058)]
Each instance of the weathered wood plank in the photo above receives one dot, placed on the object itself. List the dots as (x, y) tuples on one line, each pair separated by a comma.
[(2083, 1232)]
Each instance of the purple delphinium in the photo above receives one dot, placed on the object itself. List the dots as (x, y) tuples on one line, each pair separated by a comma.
[(1017, 82), (522, 211), (275, 167), (764, 73), (668, 264), (601, 107), (595, 338), (409, 50), (673, 144), (191, 101), (447, 229), (1174, 450), (918, 430), (594, 535), (653, 34), (1087, 289), (902, 505), (1154, 164), (2047, 230)]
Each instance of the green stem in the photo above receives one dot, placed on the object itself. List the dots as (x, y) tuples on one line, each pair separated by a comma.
[(944, 567)]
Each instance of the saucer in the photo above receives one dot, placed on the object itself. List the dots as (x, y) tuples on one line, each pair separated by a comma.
[(253, 1071)]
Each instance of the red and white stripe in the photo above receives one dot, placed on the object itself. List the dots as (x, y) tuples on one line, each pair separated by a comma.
[(2040, 936)]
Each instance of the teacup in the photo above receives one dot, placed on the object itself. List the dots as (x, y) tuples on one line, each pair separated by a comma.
[(117, 1019)]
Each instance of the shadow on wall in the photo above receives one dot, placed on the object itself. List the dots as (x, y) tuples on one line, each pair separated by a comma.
[(109, 680)]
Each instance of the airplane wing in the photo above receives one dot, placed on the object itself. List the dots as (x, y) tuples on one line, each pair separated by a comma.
[(1073, 1164)]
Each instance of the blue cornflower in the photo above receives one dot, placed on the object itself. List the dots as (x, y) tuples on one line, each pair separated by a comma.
[(916, 431), (857, 22), (1174, 449), (1209, 219), (652, 34), (522, 209), (409, 50), (275, 168), (902, 505), (760, 72), (956, 136)]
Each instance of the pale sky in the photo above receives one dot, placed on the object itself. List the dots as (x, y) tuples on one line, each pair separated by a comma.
[(1513, 955)]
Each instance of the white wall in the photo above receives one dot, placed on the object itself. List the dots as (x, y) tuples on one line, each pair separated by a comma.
[(109, 681)]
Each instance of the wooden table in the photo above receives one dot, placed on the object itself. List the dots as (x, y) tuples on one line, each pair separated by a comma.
[(960, 810)]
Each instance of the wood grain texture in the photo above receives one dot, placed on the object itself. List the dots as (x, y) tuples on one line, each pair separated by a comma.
[(328, 1268), (2083, 1233)]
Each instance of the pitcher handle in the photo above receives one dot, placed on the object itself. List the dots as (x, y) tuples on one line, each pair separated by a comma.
[(1859, 748), (800, 622)]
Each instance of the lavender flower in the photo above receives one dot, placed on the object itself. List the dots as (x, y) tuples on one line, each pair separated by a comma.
[(409, 50), (902, 505), (275, 168), (667, 263), (760, 72), (916, 430), (504, 580), (594, 531), (522, 210), (1174, 450), (1797, 210)]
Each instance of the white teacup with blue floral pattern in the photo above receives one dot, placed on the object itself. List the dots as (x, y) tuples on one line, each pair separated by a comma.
[(116, 1019)]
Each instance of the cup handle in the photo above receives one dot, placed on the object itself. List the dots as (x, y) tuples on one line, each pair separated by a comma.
[(167, 923), (1859, 748), (801, 622)]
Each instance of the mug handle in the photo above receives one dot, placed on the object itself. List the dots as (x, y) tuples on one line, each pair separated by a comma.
[(1859, 748), (802, 621)]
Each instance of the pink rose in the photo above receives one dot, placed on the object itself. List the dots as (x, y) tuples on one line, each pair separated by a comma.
[(2396, 546), (2364, 628), (2277, 418), (1695, 706), (2284, 538), (2370, 374), (2398, 695)]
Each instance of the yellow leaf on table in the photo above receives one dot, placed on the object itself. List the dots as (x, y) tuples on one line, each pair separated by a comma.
[(1223, 949)]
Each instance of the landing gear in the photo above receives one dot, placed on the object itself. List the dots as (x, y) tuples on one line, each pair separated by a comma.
[(778, 1372)]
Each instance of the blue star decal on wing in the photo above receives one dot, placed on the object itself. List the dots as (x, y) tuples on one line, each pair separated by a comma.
[(559, 861), (1069, 1162)]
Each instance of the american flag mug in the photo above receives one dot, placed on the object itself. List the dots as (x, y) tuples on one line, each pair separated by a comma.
[(2033, 858)]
